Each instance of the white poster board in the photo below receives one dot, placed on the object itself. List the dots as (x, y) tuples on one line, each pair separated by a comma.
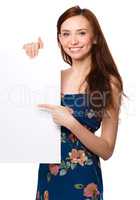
[(27, 134)]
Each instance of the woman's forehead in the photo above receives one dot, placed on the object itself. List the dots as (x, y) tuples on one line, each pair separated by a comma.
[(75, 23)]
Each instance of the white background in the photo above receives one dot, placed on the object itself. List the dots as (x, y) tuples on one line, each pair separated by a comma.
[(119, 22)]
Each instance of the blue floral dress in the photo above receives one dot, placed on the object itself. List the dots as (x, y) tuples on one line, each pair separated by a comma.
[(78, 176)]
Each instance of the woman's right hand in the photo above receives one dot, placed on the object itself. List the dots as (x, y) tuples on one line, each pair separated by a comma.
[(32, 49)]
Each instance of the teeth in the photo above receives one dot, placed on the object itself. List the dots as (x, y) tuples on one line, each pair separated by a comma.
[(75, 48)]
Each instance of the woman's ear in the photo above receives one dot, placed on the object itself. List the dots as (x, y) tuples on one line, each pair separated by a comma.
[(95, 41)]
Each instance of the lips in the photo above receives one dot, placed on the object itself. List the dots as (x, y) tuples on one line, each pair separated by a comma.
[(75, 49)]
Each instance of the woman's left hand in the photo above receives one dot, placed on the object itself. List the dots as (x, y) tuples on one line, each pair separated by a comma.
[(62, 115)]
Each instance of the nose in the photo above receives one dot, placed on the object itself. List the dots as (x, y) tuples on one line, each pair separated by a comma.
[(74, 40)]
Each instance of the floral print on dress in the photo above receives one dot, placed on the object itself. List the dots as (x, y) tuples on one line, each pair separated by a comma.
[(54, 169), (46, 195), (59, 181), (91, 190), (72, 137), (76, 157)]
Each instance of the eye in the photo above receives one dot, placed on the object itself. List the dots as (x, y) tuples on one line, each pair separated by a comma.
[(82, 33), (65, 34)]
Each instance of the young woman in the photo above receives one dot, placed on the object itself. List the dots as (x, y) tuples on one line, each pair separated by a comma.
[(91, 91)]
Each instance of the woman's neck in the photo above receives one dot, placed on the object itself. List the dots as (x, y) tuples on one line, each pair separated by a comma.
[(81, 67)]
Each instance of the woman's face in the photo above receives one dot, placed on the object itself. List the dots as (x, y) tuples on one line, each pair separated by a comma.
[(76, 37)]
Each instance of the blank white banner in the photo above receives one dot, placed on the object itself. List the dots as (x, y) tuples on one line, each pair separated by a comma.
[(27, 134)]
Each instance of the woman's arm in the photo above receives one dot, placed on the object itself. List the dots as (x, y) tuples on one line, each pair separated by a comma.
[(104, 145)]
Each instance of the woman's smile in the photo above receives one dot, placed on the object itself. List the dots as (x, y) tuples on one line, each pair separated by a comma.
[(75, 49)]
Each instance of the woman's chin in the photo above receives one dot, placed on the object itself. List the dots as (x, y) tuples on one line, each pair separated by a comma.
[(77, 57)]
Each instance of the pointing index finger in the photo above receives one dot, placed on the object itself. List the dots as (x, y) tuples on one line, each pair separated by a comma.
[(47, 106)]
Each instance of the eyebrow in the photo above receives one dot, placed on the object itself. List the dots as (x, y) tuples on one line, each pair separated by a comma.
[(81, 29)]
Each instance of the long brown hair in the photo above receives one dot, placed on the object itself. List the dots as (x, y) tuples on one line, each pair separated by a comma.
[(103, 66)]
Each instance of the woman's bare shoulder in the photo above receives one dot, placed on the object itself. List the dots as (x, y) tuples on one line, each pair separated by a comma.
[(65, 72)]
